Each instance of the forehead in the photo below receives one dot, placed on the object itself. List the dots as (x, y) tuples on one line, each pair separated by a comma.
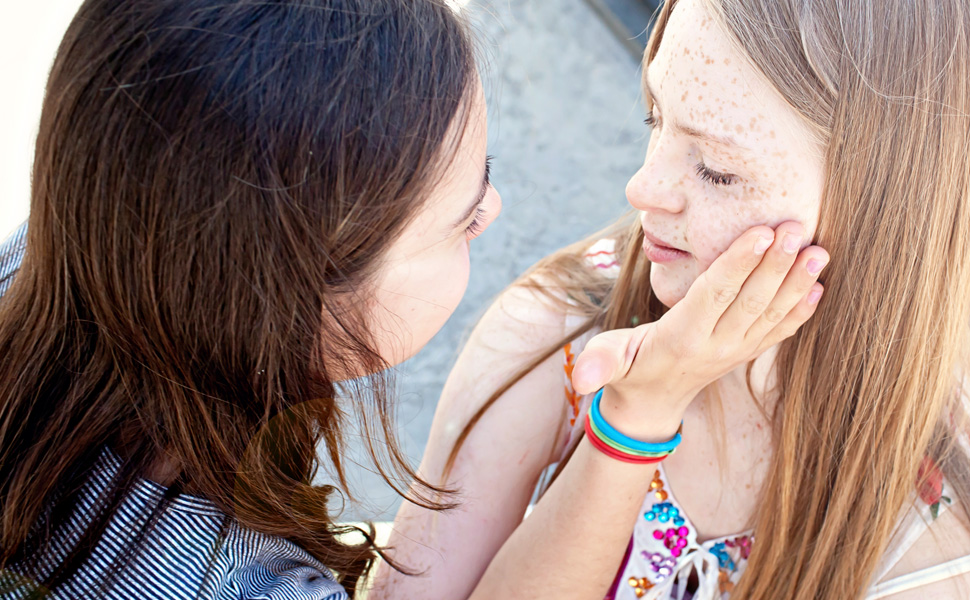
[(704, 81)]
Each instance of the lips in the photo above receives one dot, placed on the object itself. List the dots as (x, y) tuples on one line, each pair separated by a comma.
[(658, 251)]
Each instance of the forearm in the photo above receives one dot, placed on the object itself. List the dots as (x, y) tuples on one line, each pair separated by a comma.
[(495, 473), (448, 551), (573, 542)]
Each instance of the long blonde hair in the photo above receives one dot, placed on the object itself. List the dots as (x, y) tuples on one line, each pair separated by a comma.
[(873, 383), (867, 387)]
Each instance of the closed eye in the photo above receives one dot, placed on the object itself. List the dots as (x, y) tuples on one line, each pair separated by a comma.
[(477, 226), (714, 177)]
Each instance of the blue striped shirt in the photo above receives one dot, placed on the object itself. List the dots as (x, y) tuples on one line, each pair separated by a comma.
[(193, 551), (11, 253)]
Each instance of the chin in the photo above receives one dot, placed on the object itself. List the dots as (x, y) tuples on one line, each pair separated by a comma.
[(405, 343), (666, 289)]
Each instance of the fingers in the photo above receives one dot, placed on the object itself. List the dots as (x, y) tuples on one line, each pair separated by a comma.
[(606, 358), (722, 281), (755, 294), (773, 288), (797, 317), (799, 284)]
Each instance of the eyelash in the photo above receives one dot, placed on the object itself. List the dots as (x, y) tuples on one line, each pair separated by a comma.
[(713, 177), (703, 171), (475, 227)]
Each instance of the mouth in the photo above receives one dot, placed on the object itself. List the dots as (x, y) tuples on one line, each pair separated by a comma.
[(658, 251)]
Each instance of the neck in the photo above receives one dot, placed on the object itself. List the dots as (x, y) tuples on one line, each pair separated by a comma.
[(735, 392), (161, 469)]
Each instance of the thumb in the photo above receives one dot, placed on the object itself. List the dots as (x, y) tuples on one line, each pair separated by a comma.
[(606, 358)]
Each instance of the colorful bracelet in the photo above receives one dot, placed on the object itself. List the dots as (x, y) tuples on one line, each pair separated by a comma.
[(617, 454), (614, 444), (606, 440)]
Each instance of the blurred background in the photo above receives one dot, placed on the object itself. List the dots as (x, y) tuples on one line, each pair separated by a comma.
[(562, 82)]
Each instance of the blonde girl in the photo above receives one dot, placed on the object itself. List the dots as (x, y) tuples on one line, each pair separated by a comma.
[(833, 465)]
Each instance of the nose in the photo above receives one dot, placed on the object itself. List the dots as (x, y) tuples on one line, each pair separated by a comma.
[(654, 187)]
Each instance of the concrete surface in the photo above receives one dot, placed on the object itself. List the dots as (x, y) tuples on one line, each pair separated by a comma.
[(566, 130)]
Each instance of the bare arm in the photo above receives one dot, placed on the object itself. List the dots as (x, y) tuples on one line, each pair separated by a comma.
[(500, 462)]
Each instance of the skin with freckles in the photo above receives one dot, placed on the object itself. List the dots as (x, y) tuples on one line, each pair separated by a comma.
[(727, 153)]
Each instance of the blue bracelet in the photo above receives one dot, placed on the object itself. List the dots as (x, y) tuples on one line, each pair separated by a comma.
[(619, 438)]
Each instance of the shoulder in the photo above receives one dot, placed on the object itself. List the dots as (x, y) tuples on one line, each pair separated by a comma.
[(184, 548), (11, 255), (237, 563), (515, 351), (207, 546), (241, 562), (265, 566), (548, 303), (936, 565), (551, 302)]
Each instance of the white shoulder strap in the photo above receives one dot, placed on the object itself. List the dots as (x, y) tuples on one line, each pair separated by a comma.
[(910, 528), (903, 583)]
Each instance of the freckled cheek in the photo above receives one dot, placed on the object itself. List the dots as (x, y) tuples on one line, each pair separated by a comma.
[(711, 242), (788, 198), (713, 230)]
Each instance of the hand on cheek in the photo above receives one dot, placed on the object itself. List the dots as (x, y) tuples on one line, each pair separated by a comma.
[(753, 296)]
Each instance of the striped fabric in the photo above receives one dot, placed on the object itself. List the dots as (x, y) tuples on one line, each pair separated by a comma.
[(182, 558), (11, 251)]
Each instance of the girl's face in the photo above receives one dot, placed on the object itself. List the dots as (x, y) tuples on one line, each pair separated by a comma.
[(426, 269), (727, 153)]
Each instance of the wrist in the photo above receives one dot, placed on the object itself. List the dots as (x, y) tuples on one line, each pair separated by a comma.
[(654, 421)]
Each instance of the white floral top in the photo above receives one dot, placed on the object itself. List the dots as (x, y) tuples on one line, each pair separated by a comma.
[(664, 552)]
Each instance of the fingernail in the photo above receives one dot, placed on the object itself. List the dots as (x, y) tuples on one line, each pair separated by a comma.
[(814, 296), (815, 266), (792, 243), (762, 245)]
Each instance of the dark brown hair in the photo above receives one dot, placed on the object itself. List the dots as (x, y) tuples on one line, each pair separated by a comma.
[(214, 185)]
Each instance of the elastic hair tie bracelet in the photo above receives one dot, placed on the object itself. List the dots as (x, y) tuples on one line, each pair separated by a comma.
[(601, 437), (614, 444)]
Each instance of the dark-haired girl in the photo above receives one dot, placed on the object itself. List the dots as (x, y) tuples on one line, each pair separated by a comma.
[(235, 206)]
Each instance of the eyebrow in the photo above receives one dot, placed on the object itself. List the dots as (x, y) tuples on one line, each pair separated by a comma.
[(723, 140), (481, 195)]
